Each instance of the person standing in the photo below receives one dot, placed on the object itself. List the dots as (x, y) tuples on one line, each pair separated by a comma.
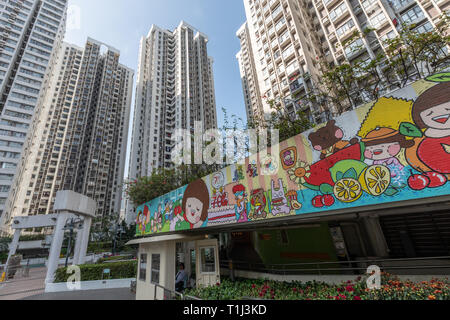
[(180, 279)]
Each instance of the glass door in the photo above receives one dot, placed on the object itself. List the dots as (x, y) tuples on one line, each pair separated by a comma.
[(207, 266)]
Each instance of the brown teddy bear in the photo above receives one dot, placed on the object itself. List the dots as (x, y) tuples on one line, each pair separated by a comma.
[(328, 140)]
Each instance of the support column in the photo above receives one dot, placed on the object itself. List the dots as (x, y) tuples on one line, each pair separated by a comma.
[(14, 244), (84, 239), (376, 236), (76, 254), (168, 266), (55, 249)]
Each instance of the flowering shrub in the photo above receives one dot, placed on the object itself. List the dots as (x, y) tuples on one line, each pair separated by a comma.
[(392, 289)]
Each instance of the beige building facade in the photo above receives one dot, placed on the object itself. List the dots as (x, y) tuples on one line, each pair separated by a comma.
[(287, 39), (79, 138)]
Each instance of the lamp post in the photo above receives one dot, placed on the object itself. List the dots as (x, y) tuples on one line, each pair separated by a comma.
[(116, 229), (70, 226)]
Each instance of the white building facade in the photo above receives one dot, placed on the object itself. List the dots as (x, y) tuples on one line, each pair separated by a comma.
[(175, 89), (79, 139), (288, 38), (32, 32)]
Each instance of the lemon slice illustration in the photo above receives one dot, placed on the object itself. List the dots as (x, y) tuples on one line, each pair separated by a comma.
[(348, 190), (375, 180)]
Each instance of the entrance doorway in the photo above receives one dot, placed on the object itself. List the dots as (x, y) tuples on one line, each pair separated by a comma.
[(207, 263)]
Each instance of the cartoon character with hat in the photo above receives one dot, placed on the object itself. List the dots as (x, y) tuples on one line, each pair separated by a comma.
[(383, 145)]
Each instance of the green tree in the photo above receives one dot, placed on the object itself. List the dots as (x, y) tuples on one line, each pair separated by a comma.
[(288, 124), (409, 56)]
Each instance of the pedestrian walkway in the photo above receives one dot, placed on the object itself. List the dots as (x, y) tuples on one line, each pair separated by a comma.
[(21, 287), (33, 288), (106, 294)]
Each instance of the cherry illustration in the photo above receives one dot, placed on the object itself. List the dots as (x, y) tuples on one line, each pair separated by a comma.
[(436, 179), (328, 200), (418, 181), (317, 202)]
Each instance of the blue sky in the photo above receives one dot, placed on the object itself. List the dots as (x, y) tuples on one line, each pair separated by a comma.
[(121, 24)]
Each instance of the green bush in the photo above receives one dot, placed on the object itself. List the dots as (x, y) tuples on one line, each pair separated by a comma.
[(3, 257), (99, 247), (36, 237), (92, 272)]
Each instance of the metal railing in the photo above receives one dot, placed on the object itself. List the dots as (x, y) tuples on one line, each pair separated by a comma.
[(171, 294), (338, 267), (15, 272)]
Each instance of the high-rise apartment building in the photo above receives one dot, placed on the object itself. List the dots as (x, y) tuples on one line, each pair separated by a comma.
[(79, 138), (289, 37), (252, 95), (175, 88), (340, 19), (285, 49), (31, 31)]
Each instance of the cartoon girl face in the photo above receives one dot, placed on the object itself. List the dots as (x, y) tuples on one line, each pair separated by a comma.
[(437, 117), (383, 151), (194, 209)]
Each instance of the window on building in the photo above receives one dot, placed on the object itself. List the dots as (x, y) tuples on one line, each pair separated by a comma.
[(413, 14), (378, 20), (143, 267), (156, 264), (208, 261)]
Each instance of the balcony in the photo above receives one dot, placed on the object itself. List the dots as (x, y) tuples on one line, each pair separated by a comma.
[(278, 11), (329, 3), (399, 5), (296, 86), (272, 3)]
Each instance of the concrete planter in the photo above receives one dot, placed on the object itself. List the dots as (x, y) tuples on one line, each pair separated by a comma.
[(91, 285)]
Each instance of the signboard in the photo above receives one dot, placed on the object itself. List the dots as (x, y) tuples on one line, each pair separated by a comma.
[(391, 150)]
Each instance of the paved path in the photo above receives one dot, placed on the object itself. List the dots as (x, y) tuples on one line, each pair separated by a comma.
[(33, 288), (21, 287), (107, 294)]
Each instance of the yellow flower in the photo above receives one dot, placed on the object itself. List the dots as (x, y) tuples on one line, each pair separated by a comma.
[(299, 174)]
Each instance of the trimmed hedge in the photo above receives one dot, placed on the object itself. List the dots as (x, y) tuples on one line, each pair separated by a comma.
[(37, 237), (92, 272), (99, 247)]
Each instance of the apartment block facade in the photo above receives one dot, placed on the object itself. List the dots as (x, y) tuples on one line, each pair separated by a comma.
[(175, 89), (340, 19), (247, 67), (285, 49), (319, 30), (31, 32), (80, 137)]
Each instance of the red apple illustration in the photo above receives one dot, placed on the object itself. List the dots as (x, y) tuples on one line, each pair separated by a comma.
[(436, 179), (418, 182)]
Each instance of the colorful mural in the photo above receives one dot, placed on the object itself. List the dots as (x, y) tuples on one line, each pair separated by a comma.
[(395, 149)]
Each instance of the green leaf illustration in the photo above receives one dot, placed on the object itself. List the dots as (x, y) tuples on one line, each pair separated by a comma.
[(351, 173), (439, 77), (391, 191), (410, 130), (339, 175), (326, 188)]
